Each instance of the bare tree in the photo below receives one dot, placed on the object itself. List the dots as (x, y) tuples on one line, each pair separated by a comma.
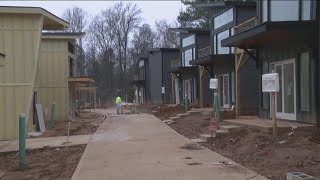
[(77, 19), (143, 40), (123, 18), (164, 37)]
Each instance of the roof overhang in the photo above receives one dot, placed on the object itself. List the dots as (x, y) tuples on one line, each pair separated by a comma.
[(189, 30), (214, 59), (62, 35), (183, 70), (139, 82), (225, 3), (272, 32), (50, 22), (80, 80)]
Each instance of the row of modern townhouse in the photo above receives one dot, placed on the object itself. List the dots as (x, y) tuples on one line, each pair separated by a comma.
[(37, 66), (245, 40)]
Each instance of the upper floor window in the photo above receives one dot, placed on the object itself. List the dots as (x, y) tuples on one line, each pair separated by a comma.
[(223, 19), (187, 56), (141, 63), (217, 38), (284, 10), (188, 41)]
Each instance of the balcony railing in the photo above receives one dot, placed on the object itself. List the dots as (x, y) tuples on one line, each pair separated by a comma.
[(204, 52), (245, 25), (175, 64)]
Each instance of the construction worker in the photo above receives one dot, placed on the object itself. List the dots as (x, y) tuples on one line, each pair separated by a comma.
[(118, 104)]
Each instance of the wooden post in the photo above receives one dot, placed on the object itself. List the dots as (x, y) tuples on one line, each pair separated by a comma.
[(237, 74), (273, 109), (173, 88), (201, 70)]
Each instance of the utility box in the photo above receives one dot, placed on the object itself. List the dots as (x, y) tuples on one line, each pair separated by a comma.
[(213, 84), (299, 176), (270, 82), (163, 90)]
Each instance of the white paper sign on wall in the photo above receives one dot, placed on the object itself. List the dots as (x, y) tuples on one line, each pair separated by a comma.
[(213, 83), (163, 90), (270, 82)]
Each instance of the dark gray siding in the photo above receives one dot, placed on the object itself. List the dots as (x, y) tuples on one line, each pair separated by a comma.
[(249, 87), (167, 57), (207, 93), (155, 71), (147, 85), (203, 40), (245, 13), (286, 51)]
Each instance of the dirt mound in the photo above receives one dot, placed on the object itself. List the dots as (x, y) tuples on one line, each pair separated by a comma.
[(260, 152), (45, 163)]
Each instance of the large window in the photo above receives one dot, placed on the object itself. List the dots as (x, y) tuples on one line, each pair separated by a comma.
[(304, 82), (187, 57), (188, 41), (221, 36), (285, 10), (264, 9), (306, 7), (223, 19)]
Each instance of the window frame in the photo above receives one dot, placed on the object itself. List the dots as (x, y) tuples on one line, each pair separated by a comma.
[(268, 9)]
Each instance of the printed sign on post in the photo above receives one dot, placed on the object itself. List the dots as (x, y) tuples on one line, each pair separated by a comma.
[(163, 90), (213, 83), (270, 82)]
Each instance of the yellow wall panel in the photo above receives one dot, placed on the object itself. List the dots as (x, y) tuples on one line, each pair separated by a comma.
[(19, 39)]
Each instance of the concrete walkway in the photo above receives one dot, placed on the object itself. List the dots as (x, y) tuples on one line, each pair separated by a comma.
[(141, 147), (36, 143)]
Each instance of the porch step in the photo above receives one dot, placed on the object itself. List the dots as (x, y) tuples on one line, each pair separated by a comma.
[(174, 117), (221, 132), (198, 140), (184, 114), (229, 128), (205, 137), (168, 122)]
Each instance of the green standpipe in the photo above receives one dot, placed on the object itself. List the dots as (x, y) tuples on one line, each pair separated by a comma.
[(22, 141), (53, 108), (217, 107)]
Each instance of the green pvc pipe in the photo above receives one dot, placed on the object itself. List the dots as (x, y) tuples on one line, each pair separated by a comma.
[(22, 141), (217, 107), (53, 108)]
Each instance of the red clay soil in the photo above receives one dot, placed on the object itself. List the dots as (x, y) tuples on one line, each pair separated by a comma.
[(191, 126), (85, 124), (258, 151), (42, 164), (165, 112), (146, 108)]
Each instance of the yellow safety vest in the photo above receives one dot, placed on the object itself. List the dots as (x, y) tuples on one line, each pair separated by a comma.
[(118, 100)]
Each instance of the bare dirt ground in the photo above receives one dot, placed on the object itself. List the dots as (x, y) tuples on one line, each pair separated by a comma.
[(85, 124), (42, 164), (164, 112), (258, 151)]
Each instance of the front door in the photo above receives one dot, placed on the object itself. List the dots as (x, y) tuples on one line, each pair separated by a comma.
[(224, 95), (176, 87), (188, 90), (286, 98)]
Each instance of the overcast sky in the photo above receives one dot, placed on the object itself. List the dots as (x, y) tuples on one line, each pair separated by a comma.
[(152, 10)]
